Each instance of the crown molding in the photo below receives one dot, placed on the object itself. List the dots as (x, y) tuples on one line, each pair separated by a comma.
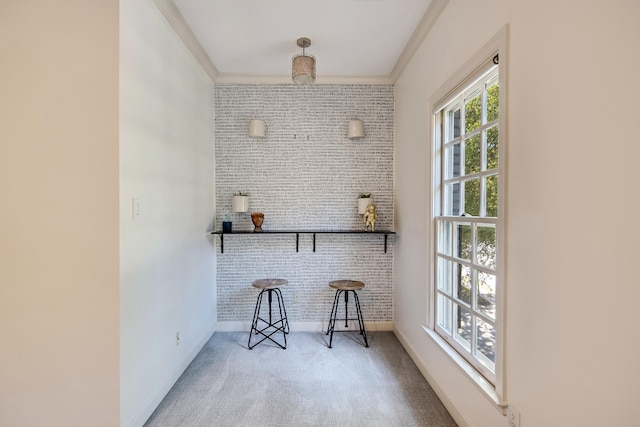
[(176, 20), (422, 31), (226, 78)]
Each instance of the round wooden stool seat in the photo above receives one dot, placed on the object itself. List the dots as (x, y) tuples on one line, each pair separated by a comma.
[(269, 283), (346, 285)]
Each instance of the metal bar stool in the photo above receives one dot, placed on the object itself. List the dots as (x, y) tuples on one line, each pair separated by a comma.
[(346, 286), (271, 287)]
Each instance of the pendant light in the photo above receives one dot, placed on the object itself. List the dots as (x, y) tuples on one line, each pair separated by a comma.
[(303, 70)]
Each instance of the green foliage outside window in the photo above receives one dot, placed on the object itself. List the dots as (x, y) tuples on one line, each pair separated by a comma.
[(473, 154)]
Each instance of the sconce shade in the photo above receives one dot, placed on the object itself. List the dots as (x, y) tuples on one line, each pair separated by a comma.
[(356, 129), (256, 128), (303, 68)]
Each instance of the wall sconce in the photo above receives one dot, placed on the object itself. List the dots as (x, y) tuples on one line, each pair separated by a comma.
[(356, 129), (256, 128)]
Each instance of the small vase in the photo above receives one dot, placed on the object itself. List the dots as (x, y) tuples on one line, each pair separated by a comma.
[(258, 219)]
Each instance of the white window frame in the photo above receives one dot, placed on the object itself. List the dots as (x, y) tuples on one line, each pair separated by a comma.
[(452, 223), (494, 389)]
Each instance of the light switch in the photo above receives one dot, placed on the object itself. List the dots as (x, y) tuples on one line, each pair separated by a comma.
[(135, 207)]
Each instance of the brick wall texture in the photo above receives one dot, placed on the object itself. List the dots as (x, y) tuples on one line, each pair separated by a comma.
[(305, 174)]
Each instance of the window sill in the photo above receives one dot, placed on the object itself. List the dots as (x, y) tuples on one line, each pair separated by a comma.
[(487, 389)]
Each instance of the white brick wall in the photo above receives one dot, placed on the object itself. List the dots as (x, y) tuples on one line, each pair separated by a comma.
[(306, 174)]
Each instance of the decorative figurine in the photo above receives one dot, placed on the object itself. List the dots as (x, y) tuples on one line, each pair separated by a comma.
[(258, 219), (370, 217)]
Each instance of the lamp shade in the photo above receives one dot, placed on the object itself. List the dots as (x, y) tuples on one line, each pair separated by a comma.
[(303, 70), (256, 128), (303, 67), (356, 129)]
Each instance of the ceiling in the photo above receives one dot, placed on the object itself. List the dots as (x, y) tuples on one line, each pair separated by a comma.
[(366, 41)]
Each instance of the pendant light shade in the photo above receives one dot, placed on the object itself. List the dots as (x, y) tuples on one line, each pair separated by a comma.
[(303, 70)]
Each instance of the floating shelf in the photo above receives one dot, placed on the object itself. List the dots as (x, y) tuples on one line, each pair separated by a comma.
[(385, 233)]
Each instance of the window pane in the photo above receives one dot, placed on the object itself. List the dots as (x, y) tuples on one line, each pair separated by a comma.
[(492, 148), (445, 275), (444, 313), (492, 196), (472, 155), (454, 123), (452, 166), (463, 283), (463, 327), (472, 197), (472, 112), (463, 244), (486, 294), (486, 246), (492, 102), (486, 343), (444, 237), (452, 199)]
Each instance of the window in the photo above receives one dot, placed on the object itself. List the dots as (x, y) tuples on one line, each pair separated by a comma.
[(467, 202)]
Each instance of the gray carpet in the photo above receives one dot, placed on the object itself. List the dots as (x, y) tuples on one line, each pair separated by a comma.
[(307, 384)]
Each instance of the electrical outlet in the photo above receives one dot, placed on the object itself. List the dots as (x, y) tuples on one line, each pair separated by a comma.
[(296, 297), (513, 415), (177, 338)]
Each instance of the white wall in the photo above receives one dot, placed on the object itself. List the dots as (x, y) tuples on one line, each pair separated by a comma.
[(572, 292), (166, 255), (59, 213)]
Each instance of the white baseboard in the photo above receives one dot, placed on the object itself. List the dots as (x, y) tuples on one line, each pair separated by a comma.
[(448, 402), (154, 400), (239, 326)]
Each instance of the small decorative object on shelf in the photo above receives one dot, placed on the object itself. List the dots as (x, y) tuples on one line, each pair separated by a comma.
[(226, 224), (240, 202), (370, 218), (364, 201), (258, 219)]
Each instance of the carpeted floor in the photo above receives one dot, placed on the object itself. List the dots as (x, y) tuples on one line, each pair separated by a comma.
[(308, 384)]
